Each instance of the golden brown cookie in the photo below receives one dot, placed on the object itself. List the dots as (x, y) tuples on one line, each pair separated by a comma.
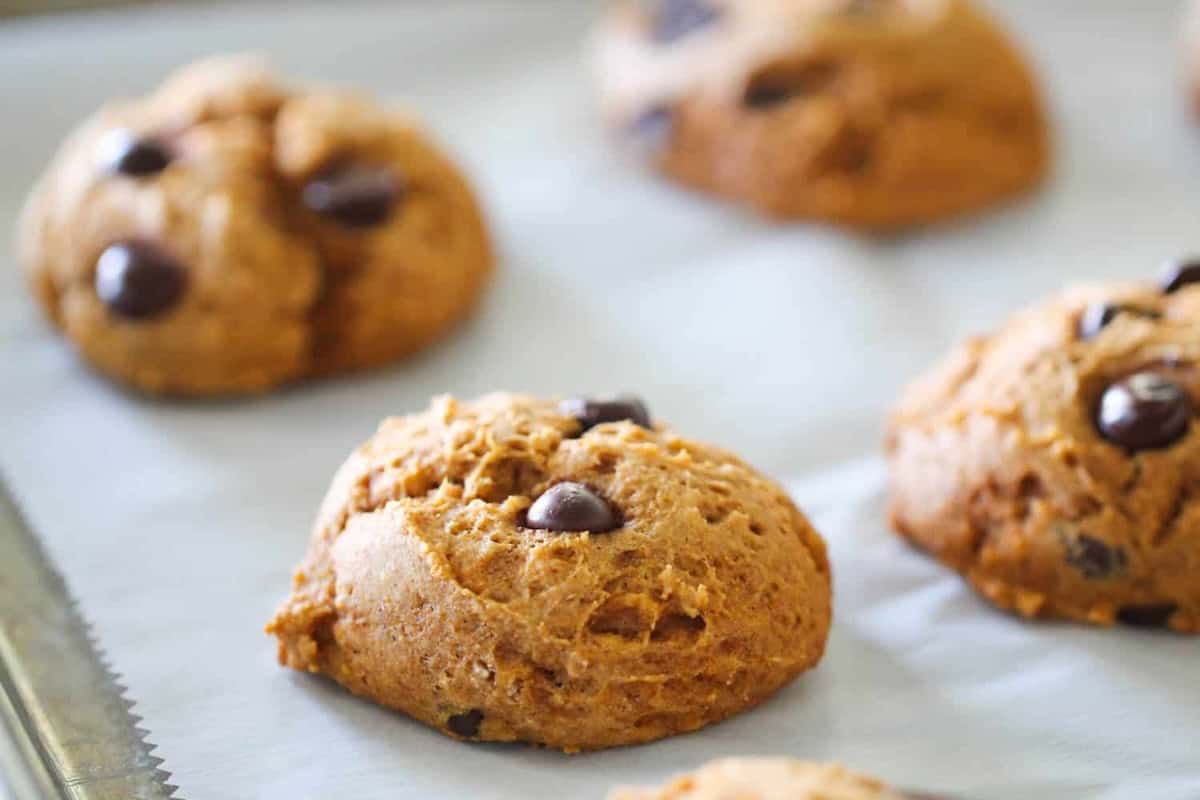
[(229, 233), (868, 113), (516, 569), (766, 779), (1056, 463)]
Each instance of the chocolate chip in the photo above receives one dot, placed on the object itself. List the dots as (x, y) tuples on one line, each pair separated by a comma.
[(1095, 558), (779, 84), (1178, 274), (137, 279), (765, 95), (1096, 316), (591, 413), (1152, 616), (355, 196), (677, 18), (652, 128), (125, 153), (465, 724), (571, 506), (1144, 411)]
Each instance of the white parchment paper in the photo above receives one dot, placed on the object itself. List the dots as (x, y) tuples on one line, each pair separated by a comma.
[(178, 524)]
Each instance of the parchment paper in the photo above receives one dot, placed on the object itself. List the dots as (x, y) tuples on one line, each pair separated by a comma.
[(178, 524)]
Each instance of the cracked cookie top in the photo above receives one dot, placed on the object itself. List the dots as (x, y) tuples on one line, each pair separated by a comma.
[(535, 557), (1056, 462), (229, 232)]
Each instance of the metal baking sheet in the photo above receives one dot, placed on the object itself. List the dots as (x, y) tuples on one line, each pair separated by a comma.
[(66, 719)]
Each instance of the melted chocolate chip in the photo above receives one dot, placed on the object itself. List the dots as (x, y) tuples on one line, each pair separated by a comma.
[(1094, 558), (354, 195), (138, 280), (1096, 316), (1152, 616), (466, 724), (1178, 274), (571, 506), (1144, 411), (591, 413), (125, 153), (677, 18)]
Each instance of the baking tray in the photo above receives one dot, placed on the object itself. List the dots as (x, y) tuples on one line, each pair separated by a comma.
[(177, 525)]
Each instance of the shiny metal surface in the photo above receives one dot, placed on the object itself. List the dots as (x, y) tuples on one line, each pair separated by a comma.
[(70, 733)]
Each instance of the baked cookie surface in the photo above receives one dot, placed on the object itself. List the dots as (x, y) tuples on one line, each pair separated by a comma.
[(517, 569), (766, 779), (228, 233), (869, 113), (1056, 463)]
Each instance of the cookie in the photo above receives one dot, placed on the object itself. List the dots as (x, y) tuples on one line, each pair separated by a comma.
[(1056, 463), (766, 779), (867, 113), (565, 574), (229, 233)]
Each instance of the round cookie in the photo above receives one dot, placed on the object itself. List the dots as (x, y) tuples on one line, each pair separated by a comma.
[(868, 113), (767, 779), (229, 233), (1056, 463), (516, 569)]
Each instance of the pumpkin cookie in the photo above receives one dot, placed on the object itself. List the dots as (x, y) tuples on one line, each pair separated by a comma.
[(868, 113), (767, 779), (566, 574), (229, 233), (1056, 463)]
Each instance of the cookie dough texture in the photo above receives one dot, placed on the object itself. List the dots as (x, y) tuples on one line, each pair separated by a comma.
[(874, 114), (422, 590), (274, 292), (765, 779), (999, 470)]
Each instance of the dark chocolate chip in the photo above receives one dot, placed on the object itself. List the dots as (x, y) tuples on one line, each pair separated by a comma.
[(677, 18), (1152, 616), (137, 279), (1178, 274), (765, 95), (779, 85), (591, 413), (466, 724), (1095, 558), (1096, 316), (125, 153), (354, 195), (1144, 411), (571, 506), (652, 129)]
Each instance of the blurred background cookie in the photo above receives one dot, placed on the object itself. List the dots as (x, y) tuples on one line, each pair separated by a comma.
[(867, 113), (229, 233), (1056, 462), (766, 779), (567, 574)]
